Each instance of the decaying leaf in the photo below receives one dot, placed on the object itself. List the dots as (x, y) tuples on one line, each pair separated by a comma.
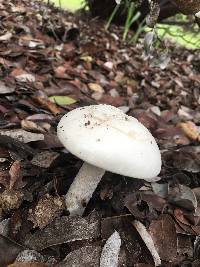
[(22, 135), (31, 257), (21, 149), (110, 251), (191, 130), (44, 159), (165, 239), (8, 251), (32, 126), (28, 264), (4, 89), (96, 87), (25, 77), (29, 41), (10, 200), (55, 233), (6, 37), (148, 241), (47, 209), (87, 256), (186, 158), (16, 175), (132, 250), (182, 196), (4, 178), (5, 227), (46, 103)]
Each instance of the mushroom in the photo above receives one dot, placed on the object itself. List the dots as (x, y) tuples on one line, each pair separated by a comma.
[(106, 139)]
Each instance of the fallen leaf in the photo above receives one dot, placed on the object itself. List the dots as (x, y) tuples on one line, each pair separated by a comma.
[(4, 178), (87, 256), (184, 247), (146, 237), (4, 89), (110, 251), (62, 100), (28, 264), (16, 175), (55, 233), (22, 136), (160, 189), (29, 256), (190, 130), (165, 240), (108, 65), (185, 158), (25, 77), (44, 159), (46, 210), (6, 37), (10, 199), (8, 250), (22, 150), (40, 117), (5, 227), (86, 58), (29, 41), (46, 103), (182, 196), (95, 87), (132, 249), (31, 126)]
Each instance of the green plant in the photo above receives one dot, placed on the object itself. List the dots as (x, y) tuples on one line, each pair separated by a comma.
[(132, 15), (140, 29), (112, 17)]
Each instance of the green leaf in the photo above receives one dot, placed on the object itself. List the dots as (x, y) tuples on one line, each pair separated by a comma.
[(62, 100)]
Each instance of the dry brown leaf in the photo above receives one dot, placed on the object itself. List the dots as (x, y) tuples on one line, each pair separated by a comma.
[(96, 87), (10, 199), (29, 41), (31, 126), (165, 239), (22, 135), (28, 264), (16, 175), (46, 103), (147, 238), (83, 257), (55, 233), (44, 159), (47, 209), (4, 178), (110, 251), (190, 130), (8, 250), (6, 37), (4, 89)]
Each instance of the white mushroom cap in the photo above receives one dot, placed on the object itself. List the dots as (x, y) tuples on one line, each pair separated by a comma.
[(105, 137)]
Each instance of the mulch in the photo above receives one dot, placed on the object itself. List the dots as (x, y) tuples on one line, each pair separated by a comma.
[(46, 53)]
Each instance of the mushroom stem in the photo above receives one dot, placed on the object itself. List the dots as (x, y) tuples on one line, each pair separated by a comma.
[(82, 188)]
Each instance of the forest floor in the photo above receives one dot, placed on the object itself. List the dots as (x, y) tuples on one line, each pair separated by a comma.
[(52, 62)]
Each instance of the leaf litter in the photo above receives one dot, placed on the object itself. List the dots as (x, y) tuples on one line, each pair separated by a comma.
[(53, 61)]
